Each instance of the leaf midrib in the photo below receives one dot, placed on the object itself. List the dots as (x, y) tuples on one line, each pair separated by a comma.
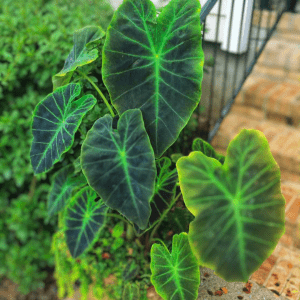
[(156, 57)]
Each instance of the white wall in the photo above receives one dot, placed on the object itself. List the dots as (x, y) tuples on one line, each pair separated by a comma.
[(224, 25)]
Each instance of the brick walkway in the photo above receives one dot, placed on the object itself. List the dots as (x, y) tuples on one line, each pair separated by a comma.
[(270, 102)]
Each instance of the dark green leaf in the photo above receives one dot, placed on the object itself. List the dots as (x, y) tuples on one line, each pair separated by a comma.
[(84, 219), (55, 121), (83, 53), (62, 187), (155, 64), (119, 165), (203, 146), (131, 291)]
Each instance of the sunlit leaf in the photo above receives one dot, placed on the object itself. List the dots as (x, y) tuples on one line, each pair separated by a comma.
[(175, 275), (238, 206)]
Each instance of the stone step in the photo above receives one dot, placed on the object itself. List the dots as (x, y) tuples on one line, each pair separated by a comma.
[(280, 273), (284, 140), (280, 59), (278, 101)]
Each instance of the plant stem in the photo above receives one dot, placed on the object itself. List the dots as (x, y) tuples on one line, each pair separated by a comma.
[(159, 240), (117, 216), (129, 232), (98, 90), (145, 275), (162, 217), (139, 243), (60, 220), (32, 188)]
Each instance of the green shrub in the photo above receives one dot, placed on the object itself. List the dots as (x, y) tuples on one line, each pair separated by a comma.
[(35, 37), (25, 241)]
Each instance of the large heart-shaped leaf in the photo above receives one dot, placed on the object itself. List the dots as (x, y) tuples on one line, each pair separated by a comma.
[(55, 122), (84, 220), (82, 53), (119, 165), (175, 275), (238, 207), (64, 183), (155, 64)]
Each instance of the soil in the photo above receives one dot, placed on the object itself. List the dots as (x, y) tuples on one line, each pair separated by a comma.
[(9, 290)]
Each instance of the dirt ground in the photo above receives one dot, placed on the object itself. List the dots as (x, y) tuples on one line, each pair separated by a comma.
[(9, 291)]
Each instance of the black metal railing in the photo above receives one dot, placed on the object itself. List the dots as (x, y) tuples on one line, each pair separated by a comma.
[(277, 10)]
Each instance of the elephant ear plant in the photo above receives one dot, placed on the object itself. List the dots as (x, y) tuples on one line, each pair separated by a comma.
[(152, 67)]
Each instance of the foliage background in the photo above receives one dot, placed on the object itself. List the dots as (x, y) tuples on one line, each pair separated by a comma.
[(36, 37)]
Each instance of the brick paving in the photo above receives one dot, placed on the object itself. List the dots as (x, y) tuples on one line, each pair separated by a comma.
[(270, 102)]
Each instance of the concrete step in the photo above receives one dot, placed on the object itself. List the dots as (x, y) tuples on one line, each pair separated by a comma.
[(280, 59), (280, 273), (278, 101), (284, 140)]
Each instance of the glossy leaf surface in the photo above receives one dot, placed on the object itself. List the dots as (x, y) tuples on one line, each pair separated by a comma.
[(155, 64), (64, 183), (119, 165), (175, 276), (84, 219), (83, 53), (238, 207), (55, 122)]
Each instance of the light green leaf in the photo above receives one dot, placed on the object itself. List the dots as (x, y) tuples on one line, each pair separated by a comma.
[(84, 219), (238, 207), (83, 53), (155, 64), (119, 165), (118, 242), (176, 275), (55, 122), (118, 229)]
